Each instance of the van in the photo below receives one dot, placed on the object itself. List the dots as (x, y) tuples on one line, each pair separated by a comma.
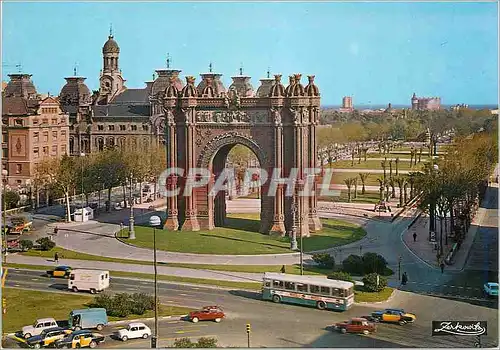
[(93, 281), (88, 318)]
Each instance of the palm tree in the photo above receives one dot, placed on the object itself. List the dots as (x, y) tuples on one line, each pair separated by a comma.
[(363, 177), (355, 187), (392, 183), (405, 188), (397, 165), (415, 157), (411, 181), (383, 164), (401, 181), (349, 182), (365, 151), (352, 157), (411, 158), (390, 168), (420, 154), (381, 182)]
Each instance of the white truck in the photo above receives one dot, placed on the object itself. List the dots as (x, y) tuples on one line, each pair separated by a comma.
[(93, 281)]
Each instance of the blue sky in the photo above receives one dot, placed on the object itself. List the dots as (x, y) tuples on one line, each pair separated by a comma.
[(375, 52)]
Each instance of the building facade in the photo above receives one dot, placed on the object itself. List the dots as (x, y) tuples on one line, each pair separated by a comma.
[(33, 129), (425, 103)]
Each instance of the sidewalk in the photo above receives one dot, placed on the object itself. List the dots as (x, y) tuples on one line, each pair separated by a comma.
[(148, 269), (424, 249)]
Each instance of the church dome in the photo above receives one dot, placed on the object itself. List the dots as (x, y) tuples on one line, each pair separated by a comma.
[(111, 46), (20, 85), (75, 92)]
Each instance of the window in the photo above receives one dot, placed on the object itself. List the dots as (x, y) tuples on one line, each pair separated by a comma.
[(35, 137), (145, 127), (267, 283), (278, 284), (54, 135), (35, 152), (63, 134), (111, 127), (336, 292), (45, 121), (54, 121), (141, 328), (63, 149), (290, 285), (45, 151), (47, 324), (45, 136), (301, 287), (71, 127), (123, 127), (40, 325), (72, 277), (54, 150), (325, 290), (19, 122), (314, 289), (100, 127), (133, 127), (102, 277), (35, 121), (19, 168), (133, 329)]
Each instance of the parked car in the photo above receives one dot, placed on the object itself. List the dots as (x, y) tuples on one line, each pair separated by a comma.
[(133, 331), (208, 313), (355, 325), (47, 337), (88, 318), (491, 289), (80, 339), (60, 271), (393, 316), (39, 326)]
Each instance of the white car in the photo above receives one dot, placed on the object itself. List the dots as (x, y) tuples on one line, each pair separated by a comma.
[(133, 331), (491, 289), (39, 325)]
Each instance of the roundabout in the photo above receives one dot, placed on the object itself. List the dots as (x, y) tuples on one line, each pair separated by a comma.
[(240, 236)]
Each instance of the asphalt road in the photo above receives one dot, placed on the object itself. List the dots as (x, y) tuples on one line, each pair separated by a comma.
[(279, 325)]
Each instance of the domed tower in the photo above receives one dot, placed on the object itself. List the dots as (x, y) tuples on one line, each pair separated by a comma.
[(241, 83), (211, 85), (166, 82), (20, 85), (265, 86), (111, 81), (414, 101)]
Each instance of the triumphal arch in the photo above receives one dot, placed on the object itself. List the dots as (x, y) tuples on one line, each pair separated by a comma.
[(201, 123)]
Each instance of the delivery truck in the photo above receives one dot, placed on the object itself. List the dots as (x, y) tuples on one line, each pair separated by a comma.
[(94, 281), (88, 318)]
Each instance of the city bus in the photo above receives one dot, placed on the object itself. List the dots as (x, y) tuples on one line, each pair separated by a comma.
[(317, 291)]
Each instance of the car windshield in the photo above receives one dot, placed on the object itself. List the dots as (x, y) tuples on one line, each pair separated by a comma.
[(494, 287)]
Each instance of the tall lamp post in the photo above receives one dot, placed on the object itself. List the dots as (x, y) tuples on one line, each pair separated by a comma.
[(5, 173), (293, 243), (131, 230), (82, 155), (155, 222)]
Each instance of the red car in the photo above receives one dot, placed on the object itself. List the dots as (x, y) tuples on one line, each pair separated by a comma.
[(208, 313), (356, 325)]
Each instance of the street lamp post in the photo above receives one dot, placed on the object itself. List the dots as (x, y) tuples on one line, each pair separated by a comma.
[(131, 221), (155, 222), (5, 173), (82, 155), (294, 226)]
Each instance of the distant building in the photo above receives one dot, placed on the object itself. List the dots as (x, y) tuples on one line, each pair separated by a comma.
[(32, 129), (459, 107), (346, 104), (425, 103)]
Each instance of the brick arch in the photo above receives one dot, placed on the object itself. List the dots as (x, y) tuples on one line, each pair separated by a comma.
[(230, 138)]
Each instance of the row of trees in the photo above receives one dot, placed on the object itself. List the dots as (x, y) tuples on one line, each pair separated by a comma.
[(453, 185), (98, 172)]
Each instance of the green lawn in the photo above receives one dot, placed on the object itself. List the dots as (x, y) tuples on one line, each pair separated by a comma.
[(375, 164), (25, 306), (361, 296), (338, 179), (241, 236), (368, 197)]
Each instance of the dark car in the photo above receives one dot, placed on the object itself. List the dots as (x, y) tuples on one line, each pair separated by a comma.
[(60, 271), (80, 339), (355, 325), (47, 338)]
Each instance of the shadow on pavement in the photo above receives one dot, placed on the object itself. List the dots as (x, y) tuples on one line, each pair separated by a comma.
[(246, 294), (492, 204), (338, 340)]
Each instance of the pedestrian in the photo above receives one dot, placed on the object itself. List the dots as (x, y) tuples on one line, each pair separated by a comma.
[(414, 236), (404, 279), (283, 269), (442, 267), (56, 258), (56, 229)]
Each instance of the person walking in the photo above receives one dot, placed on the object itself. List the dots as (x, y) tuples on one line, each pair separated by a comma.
[(414, 236), (404, 279), (442, 267), (56, 229), (56, 258), (283, 269)]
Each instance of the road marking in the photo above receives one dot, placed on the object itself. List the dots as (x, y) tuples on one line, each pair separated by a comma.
[(170, 301), (184, 294), (17, 285), (193, 336), (174, 322), (34, 279), (187, 330)]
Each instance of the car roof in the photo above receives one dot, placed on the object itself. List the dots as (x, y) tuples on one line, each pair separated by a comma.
[(45, 320), (391, 309), (358, 319), (53, 329), (136, 324), (492, 284), (82, 331), (63, 267)]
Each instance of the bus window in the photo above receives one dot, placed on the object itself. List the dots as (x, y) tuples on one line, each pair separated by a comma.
[(267, 283), (313, 289), (342, 293), (301, 287), (72, 277), (290, 285), (278, 284), (336, 292), (325, 290)]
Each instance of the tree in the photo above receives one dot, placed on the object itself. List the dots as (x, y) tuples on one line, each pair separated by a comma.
[(340, 276), (355, 187), (390, 167), (11, 199), (373, 282), (353, 264), (365, 152), (324, 260), (420, 154), (349, 182), (373, 262), (45, 243), (381, 182), (363, 177), (112, 170), (401, 181), (383, 164), (397, 165), (411, 157), (392, 183)]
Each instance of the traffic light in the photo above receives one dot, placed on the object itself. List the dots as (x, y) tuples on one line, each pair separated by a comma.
[(248, 327)]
